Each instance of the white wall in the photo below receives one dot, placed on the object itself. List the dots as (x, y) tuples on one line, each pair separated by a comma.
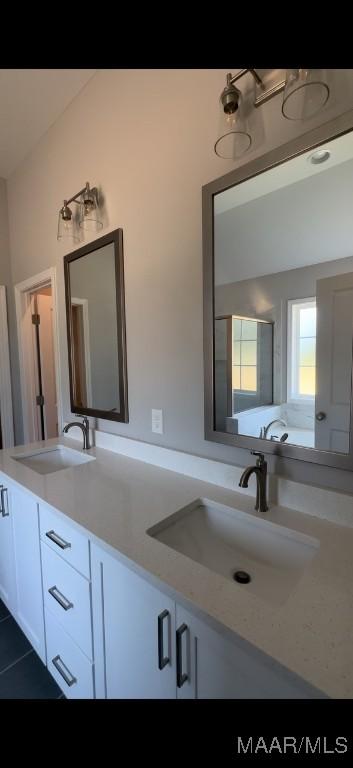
[(142, 137)]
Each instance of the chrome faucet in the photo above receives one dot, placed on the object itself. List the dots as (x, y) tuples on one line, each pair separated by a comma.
[(260, 470), (85, 430), (281, 439), (264, 430)]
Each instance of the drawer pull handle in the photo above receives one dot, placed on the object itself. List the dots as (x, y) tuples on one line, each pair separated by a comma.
[(64, 671), (58, 540), (162, 659), (60, 598), (181, 676), (4, 511)]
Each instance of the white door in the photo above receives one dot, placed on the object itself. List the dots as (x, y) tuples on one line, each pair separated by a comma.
[(134, 626), (46, 337), (36, 368), (334, 333), (7, 571), (27, 560), (44, 364)]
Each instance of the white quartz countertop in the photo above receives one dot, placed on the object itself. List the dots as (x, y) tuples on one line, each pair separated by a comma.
[(116, 499)]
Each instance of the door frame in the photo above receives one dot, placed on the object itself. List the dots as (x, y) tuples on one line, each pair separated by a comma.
[(75, 302), (6, 409), (23, 292)]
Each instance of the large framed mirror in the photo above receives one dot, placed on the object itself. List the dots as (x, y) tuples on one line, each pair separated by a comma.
[(96, 334), (278, 300)]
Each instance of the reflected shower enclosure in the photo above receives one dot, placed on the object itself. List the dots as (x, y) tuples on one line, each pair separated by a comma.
[(243, 368)]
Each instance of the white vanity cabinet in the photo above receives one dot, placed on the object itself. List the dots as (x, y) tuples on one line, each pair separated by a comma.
[(148, 646), (20, 565), (134, 633), (67, 604), (211, 666), (28, 578), (7, 569), (105, 631)]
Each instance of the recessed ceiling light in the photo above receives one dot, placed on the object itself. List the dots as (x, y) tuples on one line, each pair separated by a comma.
[(320, 156)]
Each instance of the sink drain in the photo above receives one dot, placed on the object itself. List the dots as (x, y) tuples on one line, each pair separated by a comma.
[(242, 577)]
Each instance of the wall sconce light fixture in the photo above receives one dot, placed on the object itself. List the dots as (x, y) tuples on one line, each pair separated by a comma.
[(305, 93), (88, 218)]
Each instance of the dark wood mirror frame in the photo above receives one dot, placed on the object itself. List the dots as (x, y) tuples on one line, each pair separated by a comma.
[(328, 131), (116, 238)]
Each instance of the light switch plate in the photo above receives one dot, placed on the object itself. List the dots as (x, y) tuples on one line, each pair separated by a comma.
[(157, 421)]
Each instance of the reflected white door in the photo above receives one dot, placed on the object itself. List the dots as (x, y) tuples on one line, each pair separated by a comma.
[(334, 333)]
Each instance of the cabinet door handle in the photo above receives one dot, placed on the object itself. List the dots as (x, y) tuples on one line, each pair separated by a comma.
[(181, 676), (4, 512), (60, 598), (58, 540), (64, 671), (162, 659)]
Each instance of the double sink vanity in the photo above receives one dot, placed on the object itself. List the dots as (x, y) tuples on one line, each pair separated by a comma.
[(223, 539), (133, 581)]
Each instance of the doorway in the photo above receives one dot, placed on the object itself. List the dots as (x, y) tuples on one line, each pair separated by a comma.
[(39, 360), (46, 411), (81, 359)]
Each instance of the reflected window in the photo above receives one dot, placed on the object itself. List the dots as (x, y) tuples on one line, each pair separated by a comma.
[(301, 349), (244, 363)]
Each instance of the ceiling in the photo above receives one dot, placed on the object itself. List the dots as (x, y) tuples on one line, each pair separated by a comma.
[(283, 175), (31, 100), (277, 225)]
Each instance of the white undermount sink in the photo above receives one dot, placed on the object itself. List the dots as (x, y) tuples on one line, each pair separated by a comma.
[(47, 460), (227, 541)]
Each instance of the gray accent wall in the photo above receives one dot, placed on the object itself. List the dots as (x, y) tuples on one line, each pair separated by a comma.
[(6, 280), (150, 166)]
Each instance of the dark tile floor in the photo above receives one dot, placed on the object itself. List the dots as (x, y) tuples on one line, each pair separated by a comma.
[(22, 674)]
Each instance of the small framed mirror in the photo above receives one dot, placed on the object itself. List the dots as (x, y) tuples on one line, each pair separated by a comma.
[(96, 333)]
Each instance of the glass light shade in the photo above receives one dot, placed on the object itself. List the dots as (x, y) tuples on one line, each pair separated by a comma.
[(67, 228), (305, 94), (233, 137), (89, 217)]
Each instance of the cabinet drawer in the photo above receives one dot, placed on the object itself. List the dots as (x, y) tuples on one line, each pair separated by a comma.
[(67, 595), (70, 667), (64, 539)]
